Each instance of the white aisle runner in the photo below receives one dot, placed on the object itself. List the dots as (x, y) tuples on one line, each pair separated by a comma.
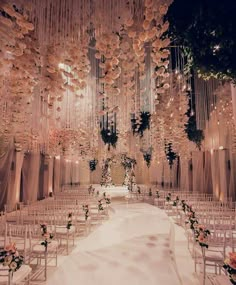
[(131, 248)]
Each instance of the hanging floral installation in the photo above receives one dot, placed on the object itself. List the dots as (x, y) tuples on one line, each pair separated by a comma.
[(70, 83)]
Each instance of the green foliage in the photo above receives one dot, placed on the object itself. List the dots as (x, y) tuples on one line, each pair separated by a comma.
[(109, 138), (207, 31), (93, 164), (148, 158), (194, 135), (170, 154), (140, 127)]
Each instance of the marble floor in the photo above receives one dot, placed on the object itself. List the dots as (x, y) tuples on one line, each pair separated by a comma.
[(137, 245)]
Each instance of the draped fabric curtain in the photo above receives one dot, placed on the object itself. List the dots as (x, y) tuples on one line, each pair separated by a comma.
[(30, 175), (40, 193), (197, 171), (5, 174), (221, 174), (233, 92), (224, 174), (75, 173), (84, 172), (13, 192), (173, 174), (46, 176), (184, 175), (207, 185), (215, 171), (57, 175), (68, 170), (232, 169)]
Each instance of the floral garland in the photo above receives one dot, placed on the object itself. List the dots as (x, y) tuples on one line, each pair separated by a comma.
[(46, 236), (200, 232), (10, 257), (69, 222), (230, 267), (86, 211)]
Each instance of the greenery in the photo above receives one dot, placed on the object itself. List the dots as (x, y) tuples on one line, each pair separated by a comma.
[(170, 154), (206, 30), (100, 206), (109, 137), (139, 126), (46, 236), (86, 211), (194, 135), (93, 164), (69, 222), (148, 158)]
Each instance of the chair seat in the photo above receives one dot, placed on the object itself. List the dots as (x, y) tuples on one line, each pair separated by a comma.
[(214, 254), (38, 248), (20, 243), (64, 230), (18, 276)]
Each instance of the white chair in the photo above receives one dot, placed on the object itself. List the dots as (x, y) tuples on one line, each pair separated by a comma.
[(39, 251)]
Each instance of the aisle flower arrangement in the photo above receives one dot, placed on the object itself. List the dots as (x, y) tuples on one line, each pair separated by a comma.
[(201, 234), (230, 267), (150, 192), (157, 194), (139, 190), (9, 256), (108, 201), (176, 201), (168, 197), (47, 236), (100, 206), (86, 211), (69, 222)]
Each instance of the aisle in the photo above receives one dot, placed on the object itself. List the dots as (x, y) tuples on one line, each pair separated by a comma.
[(132, 248)]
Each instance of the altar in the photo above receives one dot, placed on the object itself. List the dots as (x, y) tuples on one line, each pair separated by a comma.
[(113, 190)]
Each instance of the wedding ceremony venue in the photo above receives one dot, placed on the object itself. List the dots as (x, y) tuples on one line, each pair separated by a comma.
[(118, 142)]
